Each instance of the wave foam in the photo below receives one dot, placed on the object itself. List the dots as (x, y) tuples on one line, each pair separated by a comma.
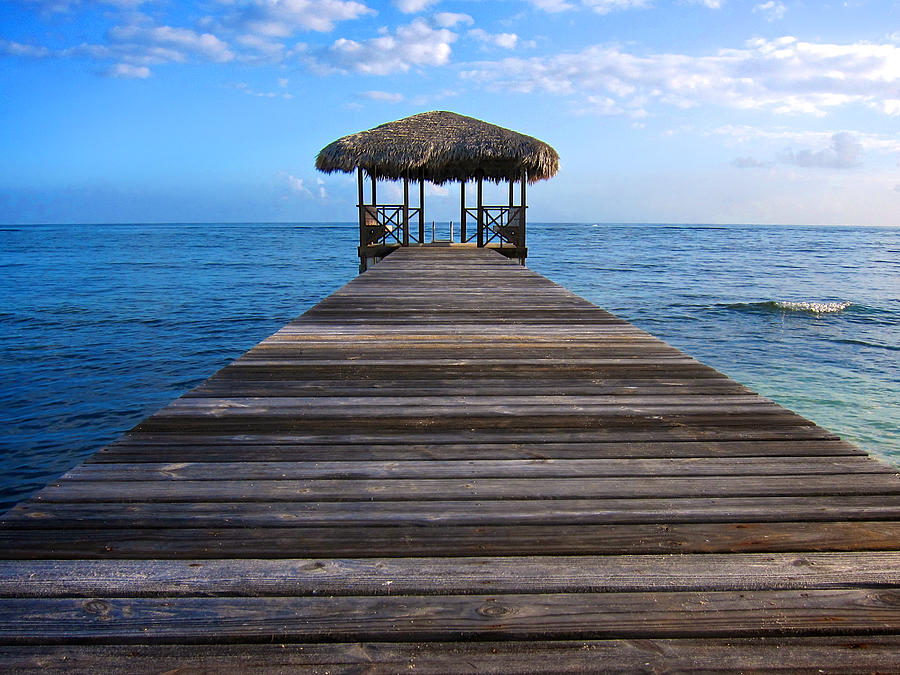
[(813, 307), (805, 307)]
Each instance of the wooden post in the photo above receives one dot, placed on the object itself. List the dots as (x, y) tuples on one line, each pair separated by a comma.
[(509, 211), (405, 211), (480, 212), (421, 206), (462, 211), (522, 247), (374, 191), (362, 220)]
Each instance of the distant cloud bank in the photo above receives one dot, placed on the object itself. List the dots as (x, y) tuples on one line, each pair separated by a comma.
[(785, 75)]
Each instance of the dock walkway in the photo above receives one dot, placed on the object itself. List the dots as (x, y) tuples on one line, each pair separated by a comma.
[(452, 464)]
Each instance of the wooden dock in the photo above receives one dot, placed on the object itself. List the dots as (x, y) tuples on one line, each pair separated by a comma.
[(454, 465)]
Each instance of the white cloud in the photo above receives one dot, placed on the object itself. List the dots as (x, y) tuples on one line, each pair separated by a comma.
[(413, 6), (132, 48), (750, 163), (598, 6), (783, 75), (155, 44), (603, 105), (771, 10), (606, 106), (451, 19), (385, 96), (296, 184), (18, 49), (889, 106), (712, 4), (283, 18), (416, 44), (504, 40), (126, 70), (844, 152), (247, 89), (264, 46), (432, 190), (66, 6), (747, 135), (552, 5), (607, 6), (817, 149), (54, 6)]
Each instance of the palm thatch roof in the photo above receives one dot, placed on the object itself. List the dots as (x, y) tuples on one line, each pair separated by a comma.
[(445, 147)]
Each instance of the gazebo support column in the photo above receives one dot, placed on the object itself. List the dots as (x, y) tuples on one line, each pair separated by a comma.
[(523, 250), (462, 211), (405, 211), (362, 220), (421, 207), (480, 211), (510, 206)]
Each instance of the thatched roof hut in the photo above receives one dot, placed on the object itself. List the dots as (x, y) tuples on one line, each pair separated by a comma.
[(441, 146)]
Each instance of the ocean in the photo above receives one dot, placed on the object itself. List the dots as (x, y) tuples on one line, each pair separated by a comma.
[(101, 325)]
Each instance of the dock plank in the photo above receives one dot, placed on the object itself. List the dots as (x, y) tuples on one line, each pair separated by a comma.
[(478, 468), (424, 538), (451, 489), (440, 576), (256, 513), (877, 654), (865, 611)]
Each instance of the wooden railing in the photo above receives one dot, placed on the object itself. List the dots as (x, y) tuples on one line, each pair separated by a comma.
[(501, 225), (384, 225)]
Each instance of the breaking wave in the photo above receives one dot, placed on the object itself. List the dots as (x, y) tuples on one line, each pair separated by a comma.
[(803, 307)]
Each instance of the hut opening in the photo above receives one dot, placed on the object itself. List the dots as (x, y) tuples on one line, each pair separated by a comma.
[(440, 147)]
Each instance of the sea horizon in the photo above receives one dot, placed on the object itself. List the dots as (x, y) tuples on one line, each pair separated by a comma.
[(353, 223)]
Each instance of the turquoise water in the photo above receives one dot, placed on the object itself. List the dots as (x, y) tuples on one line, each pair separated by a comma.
[(100, 325)]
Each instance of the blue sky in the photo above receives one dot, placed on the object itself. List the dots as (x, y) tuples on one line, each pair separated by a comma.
[(704, 111)]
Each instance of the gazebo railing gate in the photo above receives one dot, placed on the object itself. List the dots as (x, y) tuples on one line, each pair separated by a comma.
[(383, 227), (501, 225)]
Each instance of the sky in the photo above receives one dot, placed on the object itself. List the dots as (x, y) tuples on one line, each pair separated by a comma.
[(682, 111)]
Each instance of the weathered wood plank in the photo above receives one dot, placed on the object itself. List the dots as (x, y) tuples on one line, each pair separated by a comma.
[(850, 654), (215, 387), (348, 412), (699, 437), (139, 448), (257, 512), (689, 425), (451, 617), (455, 576), (375, 403), (478, 468), (296, 541), (450, 489)]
